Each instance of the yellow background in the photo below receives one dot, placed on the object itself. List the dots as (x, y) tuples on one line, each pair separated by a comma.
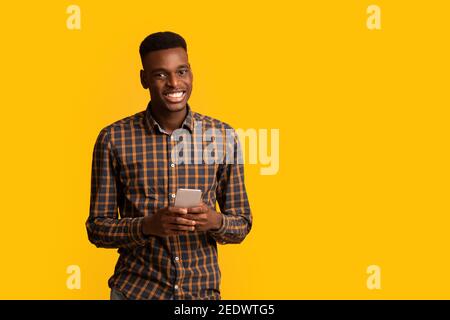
[(364, 127)]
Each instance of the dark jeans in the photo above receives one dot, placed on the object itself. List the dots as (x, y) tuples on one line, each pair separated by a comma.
[(117, 295)]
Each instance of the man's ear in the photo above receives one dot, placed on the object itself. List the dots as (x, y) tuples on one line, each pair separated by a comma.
[(144, 80)]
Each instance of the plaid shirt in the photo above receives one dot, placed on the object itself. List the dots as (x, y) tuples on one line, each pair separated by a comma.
[(133, 173)]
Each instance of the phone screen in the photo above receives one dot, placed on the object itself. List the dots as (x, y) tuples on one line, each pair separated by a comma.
[(188, 198)]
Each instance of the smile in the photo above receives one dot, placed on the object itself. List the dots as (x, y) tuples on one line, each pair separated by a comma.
[(176, 96)]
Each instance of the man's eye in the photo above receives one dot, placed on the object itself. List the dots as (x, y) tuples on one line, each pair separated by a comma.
[(182, 72), (160, 75)]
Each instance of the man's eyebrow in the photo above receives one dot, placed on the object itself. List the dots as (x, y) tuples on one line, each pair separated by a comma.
[(164, 70)]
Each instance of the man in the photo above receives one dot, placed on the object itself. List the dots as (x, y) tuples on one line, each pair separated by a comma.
[(166, 252)]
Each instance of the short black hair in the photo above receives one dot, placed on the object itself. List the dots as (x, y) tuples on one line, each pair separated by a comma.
[(161, 40)]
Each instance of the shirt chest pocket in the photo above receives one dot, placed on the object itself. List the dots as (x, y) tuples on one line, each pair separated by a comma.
[(132, 176), (141, 194)]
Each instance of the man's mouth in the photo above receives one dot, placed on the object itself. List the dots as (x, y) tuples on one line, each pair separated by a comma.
[(175, 96)]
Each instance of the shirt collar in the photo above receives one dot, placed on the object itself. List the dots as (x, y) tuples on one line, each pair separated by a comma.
[(152, 124)]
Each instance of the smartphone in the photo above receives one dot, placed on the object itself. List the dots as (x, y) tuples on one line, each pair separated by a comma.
[(188, 198)]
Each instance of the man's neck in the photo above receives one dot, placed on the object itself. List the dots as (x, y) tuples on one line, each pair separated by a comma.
[(168, 120)]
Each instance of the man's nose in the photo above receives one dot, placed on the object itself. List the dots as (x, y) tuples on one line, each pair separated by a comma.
[(172, 80)]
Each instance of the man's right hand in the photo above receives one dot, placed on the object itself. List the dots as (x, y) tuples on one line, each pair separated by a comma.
[(168, 221)]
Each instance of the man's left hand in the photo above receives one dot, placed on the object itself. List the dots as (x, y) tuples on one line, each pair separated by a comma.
[(205, 218)]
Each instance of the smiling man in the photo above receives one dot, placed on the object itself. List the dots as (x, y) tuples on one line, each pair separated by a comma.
[(165, 252)]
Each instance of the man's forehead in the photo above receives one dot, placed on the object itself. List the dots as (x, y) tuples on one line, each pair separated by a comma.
[(166, 59)]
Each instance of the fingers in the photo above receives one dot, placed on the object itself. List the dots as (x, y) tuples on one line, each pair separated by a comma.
[(172, 221), (181, 221), (174, 225), (196, 216), (179, 224), (178, 228), (199, 209), (177, 210)]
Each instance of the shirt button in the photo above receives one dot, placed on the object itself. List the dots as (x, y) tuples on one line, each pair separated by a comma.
[(173, 195), (177, 258), (172, 165), (176, 287)]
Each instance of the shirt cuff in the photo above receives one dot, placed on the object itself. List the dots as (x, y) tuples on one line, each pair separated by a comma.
[(137, 234), (223, 227)]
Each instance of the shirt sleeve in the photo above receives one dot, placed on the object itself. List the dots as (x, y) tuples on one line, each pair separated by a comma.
[(103, 225), (232, 197)]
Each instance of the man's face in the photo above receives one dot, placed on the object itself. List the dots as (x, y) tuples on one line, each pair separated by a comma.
[(167, 74)]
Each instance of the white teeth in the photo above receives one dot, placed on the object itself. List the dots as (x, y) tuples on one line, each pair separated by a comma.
[(175, 94)]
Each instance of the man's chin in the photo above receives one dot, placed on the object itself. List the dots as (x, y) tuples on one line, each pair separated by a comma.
[(167, 106), (174, 107)]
